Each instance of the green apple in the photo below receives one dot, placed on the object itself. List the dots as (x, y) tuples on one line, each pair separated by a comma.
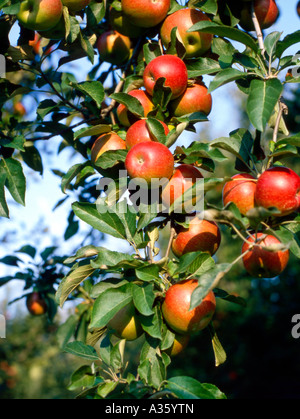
[(76, 5), (40, 15)]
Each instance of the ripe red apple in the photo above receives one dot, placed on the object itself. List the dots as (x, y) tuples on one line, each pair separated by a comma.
[(184, 177), (106, 142), (195, 43), (126, 324), (172, 68), (120, 23), (76, 5), (179, 345), (139, 133), (241, 191), (194, 99), (40, 15), (176, 308), (298, 8), (266, 11), (278, 187), (200, 236), (145, 13), (36, 305), (19, 109), (150, 161), (113, 47), (127, 118), (262, 263)]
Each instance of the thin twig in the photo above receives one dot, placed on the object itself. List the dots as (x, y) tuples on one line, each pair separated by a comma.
[(258, 30)]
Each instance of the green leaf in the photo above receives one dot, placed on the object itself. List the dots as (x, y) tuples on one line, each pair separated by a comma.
[(15, 179), (157, 130), (32, 158), (206, 282), (220, 354), (107, 223), (195, 263), (82, 378), (148, 273), (153, 324), (225, 32), (264, 94), (189, 388), (92, 131), (225, 76), (108, 304), (202, 66), (132, 103), (294, 140), (46, 107), (111, 158), (81, 350), (4, 211), (28, 250), (288, 41), (143, 298), (271, 42), (71, 174), (94, 89), (66, 331), (70, 282)]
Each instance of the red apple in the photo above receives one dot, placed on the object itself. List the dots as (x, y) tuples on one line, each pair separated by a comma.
[(40, 15), (106, 142), (194, 99), (278, 187), (150, 161), (145, 13), (241, 191), (195, 43), (184, 177), (179, 345), (172, 68), (125, 324), (200, 236), (262, 263), (76, 5), (36, 305), (298, 8), (266, 11), (19, 109), (176, 308), (139, 133), (120, 23), (126, 118), (113, 47)]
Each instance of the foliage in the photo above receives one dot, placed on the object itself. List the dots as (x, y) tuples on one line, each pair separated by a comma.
[(78, 112)]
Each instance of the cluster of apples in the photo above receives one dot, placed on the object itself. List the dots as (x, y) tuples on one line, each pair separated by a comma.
[(276, 188)]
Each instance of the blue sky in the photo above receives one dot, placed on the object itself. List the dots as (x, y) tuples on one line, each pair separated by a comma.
[(44, 192)]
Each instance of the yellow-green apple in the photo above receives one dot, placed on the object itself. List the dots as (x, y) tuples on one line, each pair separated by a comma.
[(120, 23), (40, 15), (184, 177), (241, 191), (76, 5), (200, 236), (36, 304), (106, 142), (196, 43), (266, 11), (195, 99), (125, 117), (125, 324), (170, 67), (278, 187), (176, 308), (150, 161), (114, 47), (56, 33), (145, 13), (263, 263), (179, 344), (139, 133)]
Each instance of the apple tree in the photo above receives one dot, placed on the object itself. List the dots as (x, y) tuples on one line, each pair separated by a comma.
[(137, 183)]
